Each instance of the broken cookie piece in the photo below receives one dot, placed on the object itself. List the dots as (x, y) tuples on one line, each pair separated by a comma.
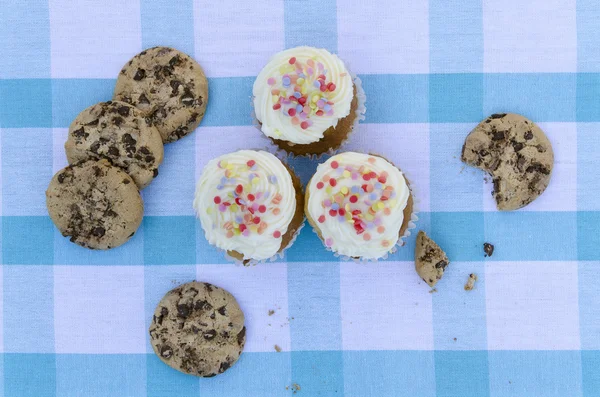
[(516, 153), (488, 249), (430, 259)]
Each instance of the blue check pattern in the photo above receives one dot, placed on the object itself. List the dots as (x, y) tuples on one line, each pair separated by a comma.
[(73, 322)]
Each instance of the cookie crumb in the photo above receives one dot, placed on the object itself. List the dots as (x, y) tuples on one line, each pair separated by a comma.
[(488, 249), (295, 387), (471, 282), (454, 339), (277, 348), (431, 291), (271, 312)]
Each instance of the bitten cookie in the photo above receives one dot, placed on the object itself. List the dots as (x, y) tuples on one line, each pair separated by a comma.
[(430, 259), (118, 132), (198, 329), (168, 86), (518, 155), (95, 203)]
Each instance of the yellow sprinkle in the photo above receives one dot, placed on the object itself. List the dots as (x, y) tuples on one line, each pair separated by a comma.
[(346, 174), (254, 229), (369, 217), (235, 225), (380, 205), (348, 216), (277, 132), (237, 232), (209, 210), (393, 203), (275, 98), (300, 81), (344, 190), (255, 180), (230, 166), (282, 69), (223, 163), (347, 208), (328, 190), (312, 105), (304, 90), (315, 98), (233, 207), (227, 173)]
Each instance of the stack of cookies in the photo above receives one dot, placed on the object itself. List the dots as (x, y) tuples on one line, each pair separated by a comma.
[(115, 148)]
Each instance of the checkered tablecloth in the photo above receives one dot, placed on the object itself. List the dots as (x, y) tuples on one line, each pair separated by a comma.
[(74, 322)]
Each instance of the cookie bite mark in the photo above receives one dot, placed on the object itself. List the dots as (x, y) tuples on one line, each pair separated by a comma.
[(516, 153), (430, 260)]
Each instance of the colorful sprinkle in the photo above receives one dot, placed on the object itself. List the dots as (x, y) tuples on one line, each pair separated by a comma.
[(276, 234), (321, 219), (292, 60), (270, 81)]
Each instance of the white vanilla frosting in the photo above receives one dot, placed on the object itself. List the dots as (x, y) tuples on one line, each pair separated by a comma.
[(301, 93), (357, 202), (245, 201)]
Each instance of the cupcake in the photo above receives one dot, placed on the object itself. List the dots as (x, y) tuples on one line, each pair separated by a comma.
[(306, 101), (359, 204), (249, 204)]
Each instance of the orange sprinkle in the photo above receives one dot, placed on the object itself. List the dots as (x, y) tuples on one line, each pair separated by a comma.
[(276, 211), (366, 237), (387, 211), (371, 160), (380, 229), (385, 243), (229, 234)]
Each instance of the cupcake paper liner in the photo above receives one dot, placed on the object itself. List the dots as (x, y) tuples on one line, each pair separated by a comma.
[(360, 115)]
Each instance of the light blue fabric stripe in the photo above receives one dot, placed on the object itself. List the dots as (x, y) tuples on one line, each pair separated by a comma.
[(409, 98), (169, 24), (315, 17)]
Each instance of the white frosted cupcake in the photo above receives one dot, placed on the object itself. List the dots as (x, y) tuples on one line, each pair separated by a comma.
[(306, 100), (249, 204), (359, 204)]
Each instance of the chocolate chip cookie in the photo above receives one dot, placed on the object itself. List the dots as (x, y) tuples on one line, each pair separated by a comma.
[(168, 86), (430, 259), (118, 132), (198, 329), (516, 153), (96, 204)]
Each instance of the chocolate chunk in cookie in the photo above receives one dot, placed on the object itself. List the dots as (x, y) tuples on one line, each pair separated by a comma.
[(198, 329), (90, 202), (430, 259), (169, 87), (118, 132), (516, 153)]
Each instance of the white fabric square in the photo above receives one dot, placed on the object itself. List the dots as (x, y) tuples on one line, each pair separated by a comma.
[(212, 142), (384, 307), (99, 310), (387, 36), (405, 145), (59, 158), (94, 39), (532, 305), (231, 38), (529, 36), (561, 193), (258, 289)]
